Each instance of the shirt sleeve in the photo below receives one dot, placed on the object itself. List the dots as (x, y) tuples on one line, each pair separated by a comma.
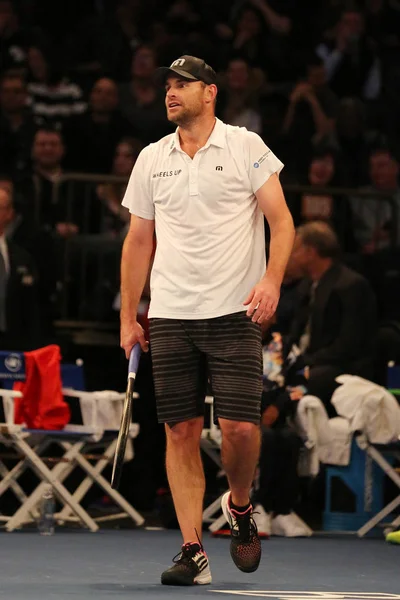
[(262, 162), (138, 198)]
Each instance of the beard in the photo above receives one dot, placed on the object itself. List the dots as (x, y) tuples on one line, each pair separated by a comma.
[(185, 115)]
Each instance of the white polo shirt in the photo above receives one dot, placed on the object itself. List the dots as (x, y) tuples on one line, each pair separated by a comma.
[(210, 230)]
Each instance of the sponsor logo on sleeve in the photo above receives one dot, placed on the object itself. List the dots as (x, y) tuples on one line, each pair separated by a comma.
[(261, 159)]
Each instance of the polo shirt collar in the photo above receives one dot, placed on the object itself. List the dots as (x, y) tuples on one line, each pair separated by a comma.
[(217, 137)]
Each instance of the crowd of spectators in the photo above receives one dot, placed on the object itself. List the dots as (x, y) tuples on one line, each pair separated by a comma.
[(319, 81)]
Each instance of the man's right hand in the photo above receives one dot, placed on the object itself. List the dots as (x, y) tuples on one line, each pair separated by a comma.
[(130, 335)]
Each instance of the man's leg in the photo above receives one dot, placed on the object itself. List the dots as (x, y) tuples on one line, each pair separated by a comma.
[(240, 454), (287, 458), (234, 356), (186, 476), (178, 369)]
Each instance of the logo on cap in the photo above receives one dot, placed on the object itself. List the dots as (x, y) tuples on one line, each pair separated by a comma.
[(178, 63)]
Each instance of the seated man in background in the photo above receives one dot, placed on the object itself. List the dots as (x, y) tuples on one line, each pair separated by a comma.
[(19, 306), (335, 325), (278, 484)]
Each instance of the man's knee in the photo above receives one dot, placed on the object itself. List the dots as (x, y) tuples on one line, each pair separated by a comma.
[(186, 432), (239, 432)]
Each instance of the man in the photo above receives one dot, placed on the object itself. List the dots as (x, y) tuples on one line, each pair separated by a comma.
[(351, 62), (92, 137), (17, 127), (374, 215), (40, 246), (335, 326), (19, 306), (204, 190), (310, 116)]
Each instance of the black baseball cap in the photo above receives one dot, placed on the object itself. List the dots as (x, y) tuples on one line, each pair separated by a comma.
[(190, 68)]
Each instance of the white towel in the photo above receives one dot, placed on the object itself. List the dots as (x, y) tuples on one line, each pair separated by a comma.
[(338, 451), (313, 422), (313, 426), (369, 408)]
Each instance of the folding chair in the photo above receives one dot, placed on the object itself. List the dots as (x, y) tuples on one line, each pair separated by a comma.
[(384, 456), (101, 413), (379, 455)]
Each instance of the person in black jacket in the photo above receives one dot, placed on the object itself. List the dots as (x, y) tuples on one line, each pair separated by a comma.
[(19, 306), (335, 325)]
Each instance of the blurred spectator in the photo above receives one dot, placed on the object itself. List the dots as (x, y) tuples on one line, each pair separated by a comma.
[(373, 215), (352, 66), (51, 214), (249, 36), (354, 141), (311, 114), (17, 127), (53, 97), (91, 138), (19, 306), (115, 217), (335, 210), (21, 230), (14, 40), (281, 63), (278, 485), (335, 325), (237, 101), (182, 15), (141, 101), (103, 44), (383, 24)]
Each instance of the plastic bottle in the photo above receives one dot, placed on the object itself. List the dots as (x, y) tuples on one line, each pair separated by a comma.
[(47, 510)]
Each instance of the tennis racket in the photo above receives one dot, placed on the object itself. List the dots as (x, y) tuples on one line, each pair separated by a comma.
[(126, 417)]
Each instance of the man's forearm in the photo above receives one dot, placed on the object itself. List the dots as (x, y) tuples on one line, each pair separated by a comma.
[(135, 264), (280, 248), (323, 124)]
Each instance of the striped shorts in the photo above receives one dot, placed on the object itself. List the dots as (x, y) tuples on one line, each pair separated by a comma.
[(187, 355)]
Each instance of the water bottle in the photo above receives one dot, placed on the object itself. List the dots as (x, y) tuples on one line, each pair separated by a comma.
[(47, 510)]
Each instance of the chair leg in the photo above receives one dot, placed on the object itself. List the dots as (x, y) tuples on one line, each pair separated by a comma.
[(105, 485), (13, 484), (377, 518), (87, 483), (50, 477), (388, 469)]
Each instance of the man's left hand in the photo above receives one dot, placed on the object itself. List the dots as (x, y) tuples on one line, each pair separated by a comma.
[(262, 300)]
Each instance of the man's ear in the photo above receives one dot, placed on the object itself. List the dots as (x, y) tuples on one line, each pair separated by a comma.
[(211, 93)]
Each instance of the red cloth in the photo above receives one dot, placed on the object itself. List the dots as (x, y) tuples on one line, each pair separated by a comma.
[(42, 405)]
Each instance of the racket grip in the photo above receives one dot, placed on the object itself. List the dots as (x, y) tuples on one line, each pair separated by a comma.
[(134, 361)]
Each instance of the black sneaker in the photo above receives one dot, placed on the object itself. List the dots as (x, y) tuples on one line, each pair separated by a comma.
[(245, 543), (191, 567)]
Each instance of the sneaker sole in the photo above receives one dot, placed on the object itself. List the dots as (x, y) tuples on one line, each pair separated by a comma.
[(203, 578)]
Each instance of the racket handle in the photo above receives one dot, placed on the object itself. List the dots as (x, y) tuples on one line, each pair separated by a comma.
[(134, 361)]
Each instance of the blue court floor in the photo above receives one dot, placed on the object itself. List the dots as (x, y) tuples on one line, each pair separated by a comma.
[(124, 564)]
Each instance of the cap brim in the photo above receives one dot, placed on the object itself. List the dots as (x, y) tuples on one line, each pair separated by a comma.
[(163, 72)]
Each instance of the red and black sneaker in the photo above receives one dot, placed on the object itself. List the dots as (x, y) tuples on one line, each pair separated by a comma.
[(245, 543), (191, 567)]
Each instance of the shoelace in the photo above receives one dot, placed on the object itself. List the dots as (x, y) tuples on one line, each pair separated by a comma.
[(246, 527), (186, 553)]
